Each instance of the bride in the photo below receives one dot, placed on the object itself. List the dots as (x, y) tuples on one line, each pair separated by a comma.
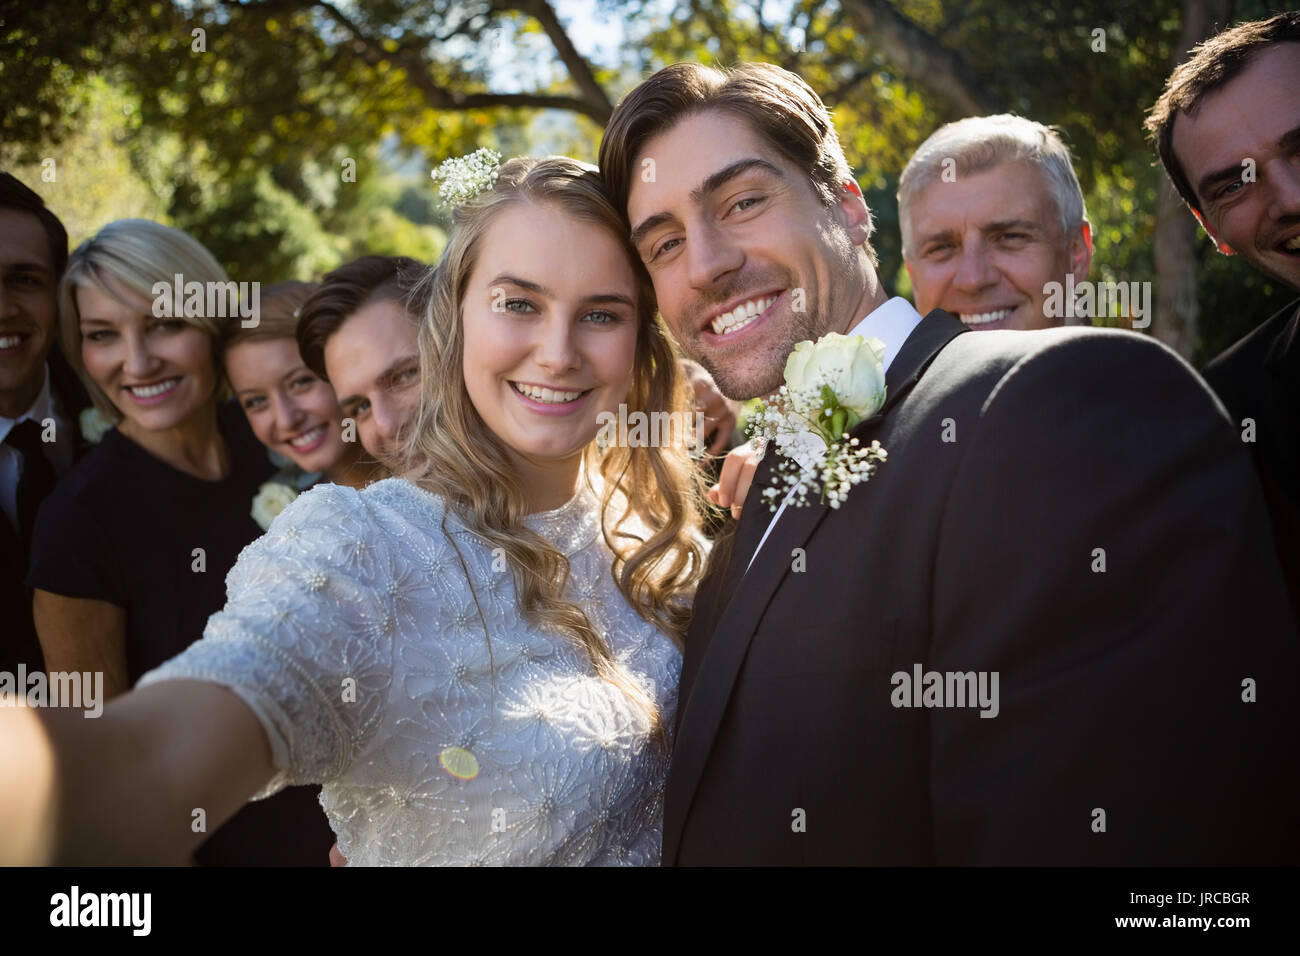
[(479, 660)]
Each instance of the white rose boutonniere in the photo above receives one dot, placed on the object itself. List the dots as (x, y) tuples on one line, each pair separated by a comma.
[(830, 386), (93, 424), (853, 368), (272, 498)]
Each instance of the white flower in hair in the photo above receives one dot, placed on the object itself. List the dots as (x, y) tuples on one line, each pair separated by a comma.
[(461, 178)]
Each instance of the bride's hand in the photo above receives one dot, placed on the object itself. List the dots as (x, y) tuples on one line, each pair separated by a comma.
[(737, 475), (337, 858)]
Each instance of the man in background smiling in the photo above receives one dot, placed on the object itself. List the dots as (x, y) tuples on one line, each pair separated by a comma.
[(991, 213), (1227, 128), (37, 386)]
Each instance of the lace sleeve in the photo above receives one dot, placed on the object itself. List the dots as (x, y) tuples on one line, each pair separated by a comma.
[(305, 638)]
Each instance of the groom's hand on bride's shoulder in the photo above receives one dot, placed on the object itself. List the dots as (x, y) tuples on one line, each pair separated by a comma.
[(737, 475)]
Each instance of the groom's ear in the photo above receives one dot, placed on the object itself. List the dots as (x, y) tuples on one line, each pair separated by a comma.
[(1219, 244), (856, 215)]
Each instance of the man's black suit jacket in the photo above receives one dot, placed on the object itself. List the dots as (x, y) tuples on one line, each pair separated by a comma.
[(1122, 736), (18, 641), (1259, 379)]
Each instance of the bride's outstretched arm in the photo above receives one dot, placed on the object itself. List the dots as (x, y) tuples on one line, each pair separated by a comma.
[(287, 686), (125, 787)]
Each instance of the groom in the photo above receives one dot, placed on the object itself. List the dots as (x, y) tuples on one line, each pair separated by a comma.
[(1049, 630)]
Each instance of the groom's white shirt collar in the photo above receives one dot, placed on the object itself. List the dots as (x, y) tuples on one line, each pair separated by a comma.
[(892, 323)]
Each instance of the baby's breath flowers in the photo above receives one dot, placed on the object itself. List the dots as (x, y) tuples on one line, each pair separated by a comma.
[(461, 178), (830, 386)]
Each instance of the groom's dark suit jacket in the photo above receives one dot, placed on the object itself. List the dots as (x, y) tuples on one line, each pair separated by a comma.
[(1120, 690)]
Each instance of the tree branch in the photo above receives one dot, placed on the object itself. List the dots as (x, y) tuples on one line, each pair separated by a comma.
[(417, 70), (592, 93), (921, 57)]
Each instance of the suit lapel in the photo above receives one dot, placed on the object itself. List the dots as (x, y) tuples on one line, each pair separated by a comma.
[(755, 516), (706, 704), (720, 582)]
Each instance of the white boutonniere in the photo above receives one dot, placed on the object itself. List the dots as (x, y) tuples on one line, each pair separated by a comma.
[(830, 386), (272, 498), (93, 424)]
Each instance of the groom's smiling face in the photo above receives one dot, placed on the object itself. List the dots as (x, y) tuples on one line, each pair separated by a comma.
[(746, 259)]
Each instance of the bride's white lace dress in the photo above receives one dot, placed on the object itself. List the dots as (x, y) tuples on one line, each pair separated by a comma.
[(352, 633)]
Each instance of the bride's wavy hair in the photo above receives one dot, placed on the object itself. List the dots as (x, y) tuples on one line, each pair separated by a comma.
[(651, 497)]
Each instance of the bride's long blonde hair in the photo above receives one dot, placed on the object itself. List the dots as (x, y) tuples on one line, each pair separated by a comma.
[(652, 497)]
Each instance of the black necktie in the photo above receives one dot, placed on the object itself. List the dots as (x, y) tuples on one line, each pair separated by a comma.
[(36, 480)]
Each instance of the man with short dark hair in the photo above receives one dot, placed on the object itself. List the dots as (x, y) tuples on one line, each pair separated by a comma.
[(1066, 527), (360, 332), (40, 400), (1227, 128)]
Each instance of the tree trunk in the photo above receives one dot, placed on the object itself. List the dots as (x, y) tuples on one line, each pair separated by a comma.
[(1177, 310)]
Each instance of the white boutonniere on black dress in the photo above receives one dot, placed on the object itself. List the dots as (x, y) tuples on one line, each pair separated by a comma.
[(277, 494), (93, 425)]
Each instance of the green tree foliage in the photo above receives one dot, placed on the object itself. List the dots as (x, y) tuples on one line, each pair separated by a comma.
[(285, 221), (237, 134)]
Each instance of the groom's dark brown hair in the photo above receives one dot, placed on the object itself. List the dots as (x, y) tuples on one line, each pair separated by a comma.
[(782, 109)]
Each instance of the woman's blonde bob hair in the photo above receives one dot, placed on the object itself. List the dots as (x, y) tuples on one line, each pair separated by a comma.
[(136, 254), (651, 497)]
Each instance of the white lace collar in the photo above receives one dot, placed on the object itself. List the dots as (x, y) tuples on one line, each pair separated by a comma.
[(571, 527)]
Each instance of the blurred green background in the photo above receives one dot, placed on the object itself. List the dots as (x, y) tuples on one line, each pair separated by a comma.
[(291, 136)]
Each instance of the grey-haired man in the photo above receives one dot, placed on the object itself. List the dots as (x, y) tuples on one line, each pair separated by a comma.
[(993, 223)]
